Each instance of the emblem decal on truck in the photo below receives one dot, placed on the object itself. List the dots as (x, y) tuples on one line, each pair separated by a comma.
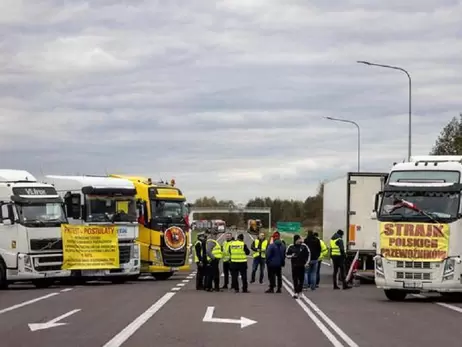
[(174, 238)]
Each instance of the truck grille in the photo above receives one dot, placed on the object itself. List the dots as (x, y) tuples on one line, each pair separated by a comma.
[(49, 263), (173, 258), (124, 254), (413, 265), (413, 276), (46, 245)]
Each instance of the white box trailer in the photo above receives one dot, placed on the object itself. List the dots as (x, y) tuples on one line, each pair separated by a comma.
[(347, 205)]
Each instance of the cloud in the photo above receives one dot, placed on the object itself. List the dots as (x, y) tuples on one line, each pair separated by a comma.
[(228, 97)]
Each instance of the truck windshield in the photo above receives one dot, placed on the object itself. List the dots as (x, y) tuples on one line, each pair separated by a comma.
[(437, 204), (41, 214), (110, 209), (166, 210)]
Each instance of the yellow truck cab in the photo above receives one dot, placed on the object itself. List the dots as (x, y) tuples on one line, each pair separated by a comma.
[(163, 227)]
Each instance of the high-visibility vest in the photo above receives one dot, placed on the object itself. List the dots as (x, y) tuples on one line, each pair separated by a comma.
[(236, 250), (196, 258), (225, 248), (324, 250), (264, 245), (334, 249), (216, 251)]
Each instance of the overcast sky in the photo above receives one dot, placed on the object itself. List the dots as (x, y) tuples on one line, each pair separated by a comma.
[(228, 97)]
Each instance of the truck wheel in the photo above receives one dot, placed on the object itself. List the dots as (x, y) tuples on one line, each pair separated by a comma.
[(43, 283), (395, 295), (3, 279), (119, 280), (162, 276)]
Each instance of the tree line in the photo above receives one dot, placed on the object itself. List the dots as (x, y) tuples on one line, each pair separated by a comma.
[(309, 212)]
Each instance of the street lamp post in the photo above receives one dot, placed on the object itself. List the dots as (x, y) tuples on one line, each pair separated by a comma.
[(359, 136), (409, 145)]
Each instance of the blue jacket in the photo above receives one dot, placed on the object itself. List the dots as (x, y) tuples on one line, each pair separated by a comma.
[(276, 254)]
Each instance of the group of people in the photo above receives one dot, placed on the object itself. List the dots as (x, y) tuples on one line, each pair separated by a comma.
[(305, 255)]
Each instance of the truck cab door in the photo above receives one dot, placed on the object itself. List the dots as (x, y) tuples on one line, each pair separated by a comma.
[(10, 240)]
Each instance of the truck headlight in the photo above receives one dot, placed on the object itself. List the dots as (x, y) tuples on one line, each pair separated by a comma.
[(449, 267), (378, 264), (136, 251)]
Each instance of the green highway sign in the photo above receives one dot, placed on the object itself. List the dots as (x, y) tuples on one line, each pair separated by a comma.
[(289, 227)]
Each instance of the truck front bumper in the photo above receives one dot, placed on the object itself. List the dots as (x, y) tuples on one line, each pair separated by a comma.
[(37, 266)]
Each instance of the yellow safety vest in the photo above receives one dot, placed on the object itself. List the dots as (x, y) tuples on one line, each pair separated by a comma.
[(334, 249), (264, 244), (225, 247), (216, 251), (236, 250), (324, 250), (196, 258)]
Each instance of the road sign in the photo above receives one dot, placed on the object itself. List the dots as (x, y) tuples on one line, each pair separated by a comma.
[(288, 227), (243, 322), (52, 323)]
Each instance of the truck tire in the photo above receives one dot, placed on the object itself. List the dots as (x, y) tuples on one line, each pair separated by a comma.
[(3, 279), (119, 280), (162, 276), (45, 283), (395, 295)]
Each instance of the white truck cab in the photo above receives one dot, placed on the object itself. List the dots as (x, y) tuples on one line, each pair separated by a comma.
[(99, 200), (31, 214), (420, 232)]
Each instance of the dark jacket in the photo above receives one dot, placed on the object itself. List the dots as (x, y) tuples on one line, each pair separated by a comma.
[(276, 254), (339, 243), (201, 251), (299, 254), (314, 245)]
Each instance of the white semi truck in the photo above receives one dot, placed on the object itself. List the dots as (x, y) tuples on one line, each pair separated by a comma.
[(31, 214), (94, 200), (420, 231), (347, 205)]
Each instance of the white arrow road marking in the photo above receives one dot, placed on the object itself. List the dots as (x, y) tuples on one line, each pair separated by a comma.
[(25, 303), (52, 323), (208, 317)]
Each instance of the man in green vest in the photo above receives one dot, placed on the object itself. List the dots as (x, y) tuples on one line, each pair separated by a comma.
[(338, 256), (324, 255), (214, 255), (238, 252), (259, 254), (201, 260), (226, 258)]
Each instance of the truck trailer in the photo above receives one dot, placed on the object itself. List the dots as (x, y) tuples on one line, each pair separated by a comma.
[(104, 201), (31, 214), (419, 243), (347, 205)]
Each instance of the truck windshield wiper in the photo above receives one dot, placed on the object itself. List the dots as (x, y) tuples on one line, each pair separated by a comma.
[(406, 204)]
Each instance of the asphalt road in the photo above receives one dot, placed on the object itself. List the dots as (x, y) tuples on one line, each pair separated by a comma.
[(171, 313)]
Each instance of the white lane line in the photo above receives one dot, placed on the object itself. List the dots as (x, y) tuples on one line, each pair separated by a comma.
[(443, 304), (180, 285), (175, 289), (190, 277), (185, 281), (66, 290), (130, 329), (326, 319), (25, 303), (335, 342)]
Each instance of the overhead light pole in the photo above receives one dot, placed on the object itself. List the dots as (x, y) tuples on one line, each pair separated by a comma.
[(409, 145), (359, 135)]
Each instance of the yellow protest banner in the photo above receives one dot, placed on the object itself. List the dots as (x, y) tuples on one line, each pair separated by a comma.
[(90, 247), (414, 241)]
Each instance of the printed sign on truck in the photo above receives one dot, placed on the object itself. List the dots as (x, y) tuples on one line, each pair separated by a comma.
[(90, 247), (414, 241)]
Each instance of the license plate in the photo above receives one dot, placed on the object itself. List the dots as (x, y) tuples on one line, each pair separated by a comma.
[(412, 285), (93, 273), (173, 269)]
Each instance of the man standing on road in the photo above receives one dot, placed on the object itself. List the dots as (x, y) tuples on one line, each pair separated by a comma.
[(338, 256), (239, 251), (214, 254), (200, 259), (259, 254), (275, 261), (226, 258), (299, 255), (314, 245), (324, 254)]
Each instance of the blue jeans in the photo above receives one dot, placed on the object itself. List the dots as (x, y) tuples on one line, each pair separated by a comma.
[(311, 274), (258, 262)]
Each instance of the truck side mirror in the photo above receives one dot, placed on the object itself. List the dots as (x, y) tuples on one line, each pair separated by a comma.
[(73, 203), (11, 216), (7, 214)]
